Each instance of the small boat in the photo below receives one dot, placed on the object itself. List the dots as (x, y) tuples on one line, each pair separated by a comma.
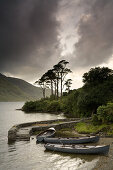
[(78, 149), (74, 140), (47, 133)]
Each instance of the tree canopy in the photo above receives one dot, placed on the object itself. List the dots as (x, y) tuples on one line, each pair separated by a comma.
[(97, 75), (54, 78)]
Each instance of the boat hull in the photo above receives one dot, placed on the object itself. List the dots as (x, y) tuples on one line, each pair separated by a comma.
[(41, 138), (91, 139), (48, 133), (80, 150)]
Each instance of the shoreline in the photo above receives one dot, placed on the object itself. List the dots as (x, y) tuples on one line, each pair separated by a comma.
[(25, 130)]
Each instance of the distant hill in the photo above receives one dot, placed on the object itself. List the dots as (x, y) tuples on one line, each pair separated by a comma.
[(14, 89)]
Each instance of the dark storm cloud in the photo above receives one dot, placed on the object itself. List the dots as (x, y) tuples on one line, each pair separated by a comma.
[(95, 29), (28, 34)]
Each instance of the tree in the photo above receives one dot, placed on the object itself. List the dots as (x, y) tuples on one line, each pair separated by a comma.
[(63, 72), (63, 64), (50, 76), (53, 76), (68, 84), (97, 90), (97, 75), (57, 68), (43, 83)]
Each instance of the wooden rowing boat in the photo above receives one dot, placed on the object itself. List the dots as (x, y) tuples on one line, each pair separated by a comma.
[(47, 133), (74, 140), (78, 149)]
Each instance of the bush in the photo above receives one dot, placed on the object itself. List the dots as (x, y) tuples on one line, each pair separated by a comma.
[(105, 113), (29, 106), (54, 106), (95, 120), (69, 104), (43, 105)]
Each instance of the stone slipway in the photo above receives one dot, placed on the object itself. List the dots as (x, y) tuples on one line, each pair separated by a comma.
[(25, 130)]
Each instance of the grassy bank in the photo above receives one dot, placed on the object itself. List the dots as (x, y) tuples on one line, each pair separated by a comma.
[(89, 128), (67, 132), (85, 128)]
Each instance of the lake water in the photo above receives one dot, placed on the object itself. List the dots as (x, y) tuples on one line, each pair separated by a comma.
[(27, 155)]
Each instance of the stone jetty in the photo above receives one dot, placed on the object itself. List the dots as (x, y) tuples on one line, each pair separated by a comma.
[(25, 130)]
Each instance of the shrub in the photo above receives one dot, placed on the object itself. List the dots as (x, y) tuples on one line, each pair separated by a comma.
[(95, 120), (105, 113), (54, 106), (69, 104), (29, 106)]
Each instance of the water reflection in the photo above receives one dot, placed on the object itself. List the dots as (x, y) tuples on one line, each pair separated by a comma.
[(11, 147), (71, 161), (83, 157)]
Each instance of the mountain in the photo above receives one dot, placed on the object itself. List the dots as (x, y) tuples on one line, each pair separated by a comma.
[(14, 89)]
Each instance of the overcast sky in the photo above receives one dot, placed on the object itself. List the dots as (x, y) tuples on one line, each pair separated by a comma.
[(36, 34)]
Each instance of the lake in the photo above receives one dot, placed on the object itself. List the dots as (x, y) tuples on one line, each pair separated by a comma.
[(27, 155)]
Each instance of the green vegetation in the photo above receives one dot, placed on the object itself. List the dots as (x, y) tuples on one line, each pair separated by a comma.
[(93, 99), (13, 89), (89, 127), (105, 113), (43, 105), (66, 133)]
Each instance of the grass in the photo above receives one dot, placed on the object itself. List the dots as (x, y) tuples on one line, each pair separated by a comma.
[(67, 132), (88, 128), (110, 131), (83, 128), (36, 132), (57, 122)]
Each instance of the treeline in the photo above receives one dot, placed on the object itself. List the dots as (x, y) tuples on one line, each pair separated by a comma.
[(95, 98), (55, 79)]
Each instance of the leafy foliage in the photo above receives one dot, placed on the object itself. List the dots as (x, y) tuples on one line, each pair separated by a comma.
[(69, 104), (97, 75), (105, 113), (84, 102), (54, 106), (97, 90), (53, 77), (43, 105)]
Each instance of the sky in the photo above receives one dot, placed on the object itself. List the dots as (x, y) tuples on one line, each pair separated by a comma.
[(37, 34)]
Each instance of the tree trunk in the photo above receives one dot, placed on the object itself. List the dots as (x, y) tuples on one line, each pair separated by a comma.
[(44, 93), (92, 113), (57, 88), (61, 84), (51, 88)]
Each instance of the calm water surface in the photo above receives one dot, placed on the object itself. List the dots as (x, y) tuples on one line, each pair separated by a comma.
[(27, 155)]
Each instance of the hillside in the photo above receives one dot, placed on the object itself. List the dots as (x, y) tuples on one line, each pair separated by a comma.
[(14, 89)]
